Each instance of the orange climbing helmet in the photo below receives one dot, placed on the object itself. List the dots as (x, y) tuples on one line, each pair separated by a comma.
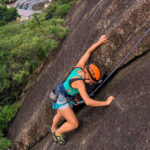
[(93, 72)]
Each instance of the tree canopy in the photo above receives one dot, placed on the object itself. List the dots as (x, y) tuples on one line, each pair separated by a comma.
[(23, 47), (7, 15)]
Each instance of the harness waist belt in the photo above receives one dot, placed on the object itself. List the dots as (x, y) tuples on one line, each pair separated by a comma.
[(62, 90)]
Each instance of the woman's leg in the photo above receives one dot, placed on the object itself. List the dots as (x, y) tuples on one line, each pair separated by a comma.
[(71, 121), (56, 120)]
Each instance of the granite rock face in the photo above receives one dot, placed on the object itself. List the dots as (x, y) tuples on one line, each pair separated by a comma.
[(123, 125)]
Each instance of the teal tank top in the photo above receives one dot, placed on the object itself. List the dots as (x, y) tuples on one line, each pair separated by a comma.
[(71, 91)]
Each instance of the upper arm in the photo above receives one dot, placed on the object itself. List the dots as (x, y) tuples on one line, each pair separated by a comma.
[(83, 60), (86, 55), (82, 90)]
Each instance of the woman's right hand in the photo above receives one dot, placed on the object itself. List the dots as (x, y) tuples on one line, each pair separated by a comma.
[(110, 99), (103, 39)]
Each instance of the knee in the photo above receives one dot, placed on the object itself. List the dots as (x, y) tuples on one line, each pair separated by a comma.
[(75, 124), (58, 117)]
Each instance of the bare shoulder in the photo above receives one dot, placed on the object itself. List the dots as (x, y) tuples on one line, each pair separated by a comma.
[(79, 66), (77, 84)]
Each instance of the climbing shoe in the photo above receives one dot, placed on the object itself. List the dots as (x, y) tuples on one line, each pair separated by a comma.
[(54, 137), (58, 139)]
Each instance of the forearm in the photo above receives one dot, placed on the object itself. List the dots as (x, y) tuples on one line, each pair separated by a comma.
[(93, 47), (95, 103), (87, 54)]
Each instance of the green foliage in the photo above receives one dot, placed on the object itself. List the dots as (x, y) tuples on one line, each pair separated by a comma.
[(4, 143), (19, 76), (59, 9), (22, 50), (12, 14), (3, 2), (7, 15), (62, 10), (50, 11), (7, 112)]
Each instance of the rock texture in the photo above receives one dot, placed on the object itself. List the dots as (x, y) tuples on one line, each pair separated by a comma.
[(123, 125)]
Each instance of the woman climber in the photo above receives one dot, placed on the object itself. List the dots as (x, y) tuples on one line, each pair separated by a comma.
[(74, 84)]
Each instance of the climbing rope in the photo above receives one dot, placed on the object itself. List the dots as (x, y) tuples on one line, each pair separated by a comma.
[(101, 83)]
